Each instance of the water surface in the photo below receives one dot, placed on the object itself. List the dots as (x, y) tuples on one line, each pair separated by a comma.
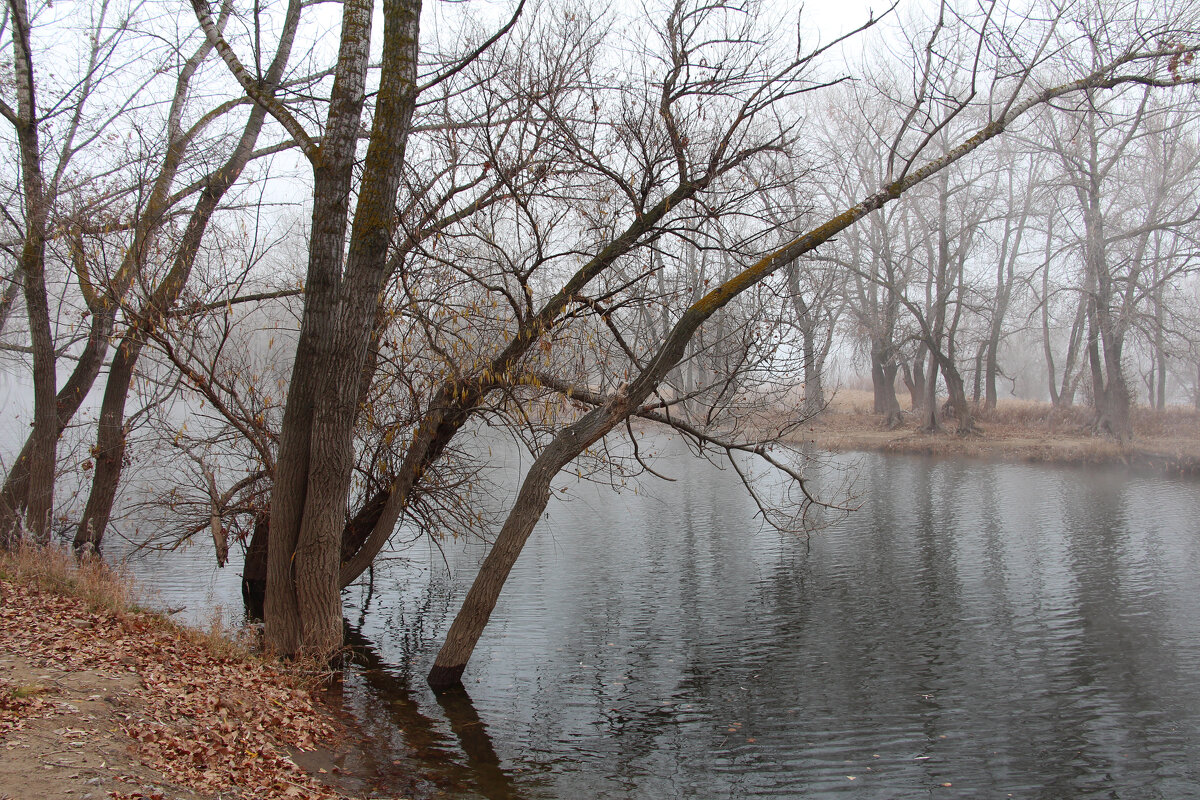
[(973, 630)]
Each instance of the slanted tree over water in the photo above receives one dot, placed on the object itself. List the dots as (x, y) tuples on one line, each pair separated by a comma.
[(637, 174), (1137, 59), (690, 124)]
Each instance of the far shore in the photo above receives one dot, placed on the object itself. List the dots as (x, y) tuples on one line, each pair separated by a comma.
[(1166, 441)]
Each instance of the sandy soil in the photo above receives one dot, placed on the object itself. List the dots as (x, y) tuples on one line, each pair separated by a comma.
[(69, 743)]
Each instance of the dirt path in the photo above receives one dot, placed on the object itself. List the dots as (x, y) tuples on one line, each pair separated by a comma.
[(68, 740)]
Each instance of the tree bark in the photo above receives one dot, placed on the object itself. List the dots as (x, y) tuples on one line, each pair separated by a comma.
[(812, 355), (39, 499), (883, 381), (1071, 374), (929, 407), (313, 471), (254, 568)]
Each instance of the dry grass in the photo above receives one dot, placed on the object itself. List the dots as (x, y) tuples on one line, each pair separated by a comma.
[(1175, 421), (1034, 416), (1017, 430), (104, 588), (55, 568), (851, 401), (1039, 417)]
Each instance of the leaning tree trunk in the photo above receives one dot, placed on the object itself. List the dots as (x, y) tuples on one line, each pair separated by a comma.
[(534, 494)]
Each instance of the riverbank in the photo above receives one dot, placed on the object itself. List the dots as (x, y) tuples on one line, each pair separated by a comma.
[(99, 699), (1167, 441)]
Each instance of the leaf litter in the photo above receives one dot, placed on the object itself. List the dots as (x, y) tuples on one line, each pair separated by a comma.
[(212, 723)]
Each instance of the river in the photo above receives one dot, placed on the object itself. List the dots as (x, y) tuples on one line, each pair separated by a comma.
[(972, 630)]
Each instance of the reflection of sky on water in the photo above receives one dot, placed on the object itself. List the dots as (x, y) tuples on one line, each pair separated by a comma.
[(1001, 628)]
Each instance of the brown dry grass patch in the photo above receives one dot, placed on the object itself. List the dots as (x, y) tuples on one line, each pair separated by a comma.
[(99, 585), (1016, 430)]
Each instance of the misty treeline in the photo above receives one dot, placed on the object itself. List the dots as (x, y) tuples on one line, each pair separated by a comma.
[(282, 271)]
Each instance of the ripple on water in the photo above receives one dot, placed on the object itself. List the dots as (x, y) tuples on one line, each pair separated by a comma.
[(1006, 629)]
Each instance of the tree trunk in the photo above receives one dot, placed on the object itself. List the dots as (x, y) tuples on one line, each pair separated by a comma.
[(1161, 400), (883, 381), (814, 390), (957, 396), (1071, 374), (929, 407), (977, 374), (39, 500), (110, 447), (1160, 347), (1116, 419), (807, 321), (991, 372), (8, 298), (1047, 349), (254, 568), (15, 492), (917, 381), (316, 448)]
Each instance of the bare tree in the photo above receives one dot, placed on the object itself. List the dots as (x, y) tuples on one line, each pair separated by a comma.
[(948, 243), (1008, 102), (110, 443), (47, 179), (1019, 201), (1119, 213), (871, 255), (113, 222)]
